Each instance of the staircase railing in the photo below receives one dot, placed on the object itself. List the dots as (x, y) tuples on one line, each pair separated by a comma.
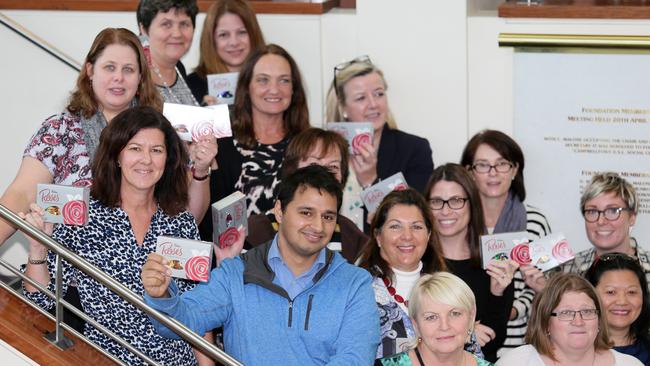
[(58, 338)]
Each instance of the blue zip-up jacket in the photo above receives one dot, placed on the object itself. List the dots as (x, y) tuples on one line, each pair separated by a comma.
[(333, 322)]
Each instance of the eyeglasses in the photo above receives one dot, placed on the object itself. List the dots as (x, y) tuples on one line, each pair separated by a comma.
[(569, 315), (500, 167), (611, 213), (454, 203), (615, 256), (365, 59)]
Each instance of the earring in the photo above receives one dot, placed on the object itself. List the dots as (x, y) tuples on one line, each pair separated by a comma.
[(469, 331), (345, 116), (419, 340), (513, 177)]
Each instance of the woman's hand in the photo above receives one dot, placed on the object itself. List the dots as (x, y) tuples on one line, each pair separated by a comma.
[(484, 334), (365, 164), (533, 277), (35, 218), (501, 273), (202, 153), (233, 250)]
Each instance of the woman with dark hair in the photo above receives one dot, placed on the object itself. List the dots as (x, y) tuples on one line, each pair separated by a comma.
[(270, 109), (456, 207), (567, 328), (314, 146), (166, 29), (139, 193), (230, 33), (496, 163), (623, 289), (403, 245)]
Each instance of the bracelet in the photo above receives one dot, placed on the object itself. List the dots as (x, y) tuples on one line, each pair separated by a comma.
[(200, 179), (36, 261)]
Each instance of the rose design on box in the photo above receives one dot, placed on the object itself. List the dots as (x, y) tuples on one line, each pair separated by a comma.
[(358, 140), (550, 251), (373, 195), (228, 237), (188, 259), (63, 204), (197, 268), (520, 254), (202, 129), (74, 212), (562, 251)]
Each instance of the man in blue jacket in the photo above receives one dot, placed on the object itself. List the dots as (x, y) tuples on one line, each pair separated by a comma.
[(288, 302)]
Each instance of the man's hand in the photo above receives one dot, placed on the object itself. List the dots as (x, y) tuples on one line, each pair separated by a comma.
[(156, 276)]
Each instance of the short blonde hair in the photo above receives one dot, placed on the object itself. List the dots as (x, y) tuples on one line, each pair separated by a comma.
[(336, 98), (443, 288), (609, 182)]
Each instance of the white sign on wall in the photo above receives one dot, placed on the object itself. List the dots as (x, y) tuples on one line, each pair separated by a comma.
[(577, 114)]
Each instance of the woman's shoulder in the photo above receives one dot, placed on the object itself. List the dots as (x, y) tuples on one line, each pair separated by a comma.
[(520, 356), (621, 359)]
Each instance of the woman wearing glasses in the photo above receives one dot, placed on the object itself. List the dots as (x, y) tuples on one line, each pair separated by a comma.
[(456, 207), (623, 290), (609, 206), (496, 163), (358, 94), (567, 328)]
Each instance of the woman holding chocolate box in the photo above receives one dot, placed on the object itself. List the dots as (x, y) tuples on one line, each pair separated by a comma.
[(456, 207), (139, 193), (496, 163), (270, 108), (230, 33), (358, 94)]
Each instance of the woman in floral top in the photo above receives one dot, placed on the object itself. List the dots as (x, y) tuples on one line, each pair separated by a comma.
[(442, 309), (139, 193)]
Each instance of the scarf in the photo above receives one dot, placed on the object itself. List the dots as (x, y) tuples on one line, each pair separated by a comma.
[(93, 128), (512, 217)]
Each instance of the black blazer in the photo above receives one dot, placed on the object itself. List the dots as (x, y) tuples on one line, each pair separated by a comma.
[(406, 153)]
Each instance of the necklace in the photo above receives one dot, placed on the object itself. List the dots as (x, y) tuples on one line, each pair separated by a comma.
[(169, 90), (393, 293)]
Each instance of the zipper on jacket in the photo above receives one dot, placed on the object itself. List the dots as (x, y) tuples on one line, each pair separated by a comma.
[(311, 297), (290, 312)]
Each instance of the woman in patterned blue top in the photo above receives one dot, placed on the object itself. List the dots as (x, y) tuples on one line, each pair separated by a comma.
[(139, 192), (442, 309)]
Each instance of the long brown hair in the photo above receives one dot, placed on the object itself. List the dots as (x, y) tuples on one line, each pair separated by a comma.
[(370, 256), (544, 304), (83, 101), (171, 189), (451, 172), (296, 117), (209, 60)]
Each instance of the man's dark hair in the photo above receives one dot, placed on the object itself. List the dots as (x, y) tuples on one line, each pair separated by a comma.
[(314, 176)]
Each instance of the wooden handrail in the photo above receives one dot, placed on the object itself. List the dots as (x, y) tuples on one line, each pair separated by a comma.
[(260, 7)]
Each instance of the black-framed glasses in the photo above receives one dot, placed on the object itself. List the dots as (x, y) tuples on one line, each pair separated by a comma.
[(570, 315), (615, 256), (365, 59), (610, 213), (454, 203), (500, 167)]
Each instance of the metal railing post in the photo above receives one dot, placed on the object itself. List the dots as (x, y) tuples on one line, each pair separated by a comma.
[(58, 337)]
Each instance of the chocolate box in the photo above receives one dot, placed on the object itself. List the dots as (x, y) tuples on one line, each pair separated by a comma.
[(193, 123), (223, 86), (373, 195), (354, 132), (228, 214), (188, 259), (63, 204), (550, 251), (505, 246)]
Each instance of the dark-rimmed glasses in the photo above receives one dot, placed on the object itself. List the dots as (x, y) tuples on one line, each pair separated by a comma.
[(454, 203), (365, 59), (615, 256), (570, 315), (500, 167), (611, 213)]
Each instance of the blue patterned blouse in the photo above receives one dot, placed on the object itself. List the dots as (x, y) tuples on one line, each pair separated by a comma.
[(108, 242)]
